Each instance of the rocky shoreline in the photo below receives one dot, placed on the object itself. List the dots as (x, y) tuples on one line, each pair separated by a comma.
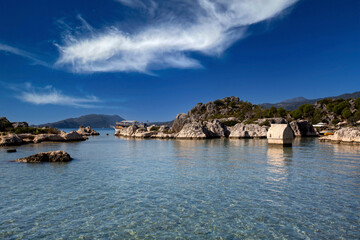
[(344, 135), (12, 139), (184, 128)]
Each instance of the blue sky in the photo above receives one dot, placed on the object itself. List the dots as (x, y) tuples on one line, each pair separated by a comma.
[(149, 60)]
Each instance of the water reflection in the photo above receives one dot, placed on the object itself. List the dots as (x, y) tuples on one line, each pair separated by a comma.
[(279, 158)]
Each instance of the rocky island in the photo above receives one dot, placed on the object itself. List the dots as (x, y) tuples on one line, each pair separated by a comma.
[(232, 118), (19, 133), (225, 118)]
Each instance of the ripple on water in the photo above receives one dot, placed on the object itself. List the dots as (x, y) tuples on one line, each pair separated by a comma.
[(232, 189)]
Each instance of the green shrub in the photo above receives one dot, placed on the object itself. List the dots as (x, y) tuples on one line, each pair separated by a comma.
[(296, 114), (335, 121), (218, 102), (346, 113), (271, 112), (281, 112), (35, 131), (265, 123), (230, 123), (338, 108), (154, 128), (357, 103)]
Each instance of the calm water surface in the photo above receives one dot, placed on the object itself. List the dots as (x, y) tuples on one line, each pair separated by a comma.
[(165, 189)]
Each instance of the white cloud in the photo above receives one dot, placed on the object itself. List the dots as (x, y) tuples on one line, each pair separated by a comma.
[(208, 27), (22, 53), (49, 95)]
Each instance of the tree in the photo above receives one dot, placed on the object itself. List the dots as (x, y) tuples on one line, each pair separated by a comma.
[(272, 111), (308, 110), (346, 113), (357, 103), (338, 108), (281, 112), (296, 114)]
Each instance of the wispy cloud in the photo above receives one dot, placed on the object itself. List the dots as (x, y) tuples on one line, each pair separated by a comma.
[(49, 95), (181, 28), (22, 53)]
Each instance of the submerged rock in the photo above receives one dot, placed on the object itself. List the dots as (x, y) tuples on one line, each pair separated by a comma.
[(52, 156), (10, 139), (87, 131), (11, 150)]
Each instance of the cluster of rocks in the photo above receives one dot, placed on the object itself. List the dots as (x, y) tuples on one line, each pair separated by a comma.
[(52, 156), (87, 131), (344, 135), (187, 128), (81, 134)]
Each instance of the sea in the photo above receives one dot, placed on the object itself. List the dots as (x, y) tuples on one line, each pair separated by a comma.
[(120, 188)]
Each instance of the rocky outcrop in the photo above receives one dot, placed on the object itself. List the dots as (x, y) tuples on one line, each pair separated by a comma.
[(303, 128), (73, 136), (10, 139), (344, 135), (216, 129), (126, 132), (179, 122), (20, 124), (4, 124), (194, 130), (48, 138), (53, 156), (241, 130), (87, 131), (62, 137)]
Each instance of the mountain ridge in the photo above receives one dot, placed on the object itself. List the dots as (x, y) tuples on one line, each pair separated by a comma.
[(92, 120), (294, 103)]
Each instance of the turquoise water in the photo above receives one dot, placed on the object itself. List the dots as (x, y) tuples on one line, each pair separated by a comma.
[(165, 189)]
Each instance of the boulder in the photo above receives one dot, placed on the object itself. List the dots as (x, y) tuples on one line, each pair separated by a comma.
[(11, 150), (303, 128), (143, 133), (87, 131), (164, 128), (73, 136), (241, 130), (163, 135), (216, 129), (127, 132), (52, 156), (344, 135), (10, 139), (179, 122), (27, 137), (194, 130), (48, 138), (62, 137)]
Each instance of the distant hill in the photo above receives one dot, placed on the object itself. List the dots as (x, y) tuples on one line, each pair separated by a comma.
[(294, 103), (92, 120)]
